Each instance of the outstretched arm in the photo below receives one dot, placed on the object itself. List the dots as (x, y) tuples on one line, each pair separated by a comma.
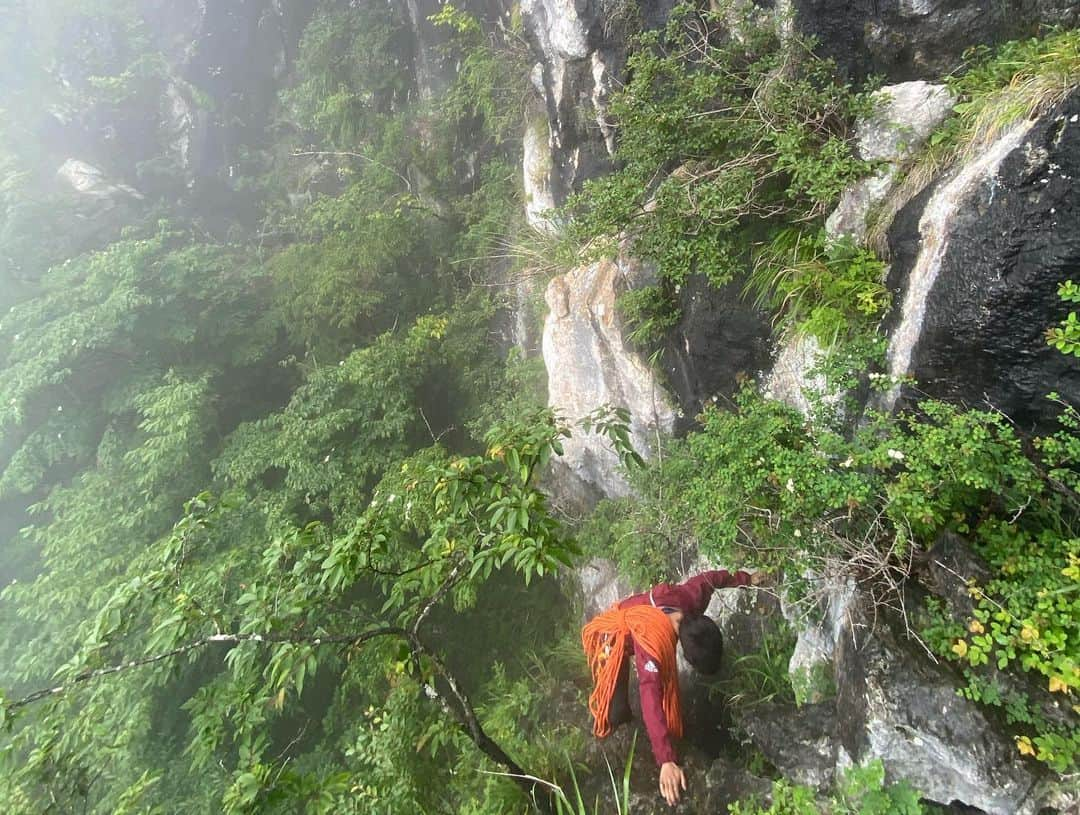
[(699, 588), (672, 778), (651, 690)]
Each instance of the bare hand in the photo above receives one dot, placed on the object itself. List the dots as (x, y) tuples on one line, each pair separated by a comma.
[(672, 782)]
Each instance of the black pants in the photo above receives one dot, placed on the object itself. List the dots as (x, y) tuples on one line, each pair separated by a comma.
[(619, 709)]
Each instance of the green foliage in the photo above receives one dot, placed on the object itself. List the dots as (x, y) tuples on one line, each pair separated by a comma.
[(648, 533), (361, 262), (1001, 85), (1065, 336), (567, 805), (722, 136), (491, 82), (813, 684), (349, 76), (761, 676), (649, 312), (440, 528), (762, 485), (861, 791), (828, 289), (308, 641)]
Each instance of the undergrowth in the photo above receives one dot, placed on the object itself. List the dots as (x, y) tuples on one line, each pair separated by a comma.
[(761, 485), (727, 133), (861, 791)]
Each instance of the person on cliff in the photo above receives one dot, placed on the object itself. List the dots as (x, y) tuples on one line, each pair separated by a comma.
[(649, 625)]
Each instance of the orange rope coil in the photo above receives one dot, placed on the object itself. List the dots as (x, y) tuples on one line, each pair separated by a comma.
[(606, 639)]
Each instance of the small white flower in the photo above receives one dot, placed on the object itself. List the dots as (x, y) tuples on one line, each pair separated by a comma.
[(895, 455), (390, 500), (790, 485), (798, 534)]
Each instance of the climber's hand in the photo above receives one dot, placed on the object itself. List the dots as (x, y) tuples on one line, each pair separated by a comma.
[(672, 782)]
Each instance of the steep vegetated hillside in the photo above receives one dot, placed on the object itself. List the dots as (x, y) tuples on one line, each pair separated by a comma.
[(351, 349)]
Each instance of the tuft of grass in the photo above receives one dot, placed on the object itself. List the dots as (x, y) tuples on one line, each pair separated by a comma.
[(828, 289), (761, 676), (567, 805)]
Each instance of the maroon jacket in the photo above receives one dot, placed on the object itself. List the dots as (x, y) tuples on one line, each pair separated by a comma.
[(691, 598)]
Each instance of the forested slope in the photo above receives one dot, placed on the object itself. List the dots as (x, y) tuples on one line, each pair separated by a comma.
[(290, 522)]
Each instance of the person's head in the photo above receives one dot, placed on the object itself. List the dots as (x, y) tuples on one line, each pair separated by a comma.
[(702, 643)]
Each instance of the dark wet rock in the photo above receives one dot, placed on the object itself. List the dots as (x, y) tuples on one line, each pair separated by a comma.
[(720, 342), (1013, 236), (727, 783), (800, 742), (920, 39), (946, 569)]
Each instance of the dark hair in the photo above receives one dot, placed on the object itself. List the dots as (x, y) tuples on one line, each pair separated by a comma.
[(702, 643)]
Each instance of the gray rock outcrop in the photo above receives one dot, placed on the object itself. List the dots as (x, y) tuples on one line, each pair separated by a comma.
[(91, 182), (907, 114), (590, 365), (895, 704)]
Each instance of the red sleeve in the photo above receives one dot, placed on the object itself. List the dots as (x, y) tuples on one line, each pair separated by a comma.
[(697, 591), (652, 707)]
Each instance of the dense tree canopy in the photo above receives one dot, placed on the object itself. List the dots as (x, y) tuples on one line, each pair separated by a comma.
[(264, 476)]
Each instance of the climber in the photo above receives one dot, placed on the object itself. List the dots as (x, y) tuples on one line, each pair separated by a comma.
[(649, 625)]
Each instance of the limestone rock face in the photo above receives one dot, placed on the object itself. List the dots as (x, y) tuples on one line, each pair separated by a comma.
[(537, 163), (922, 730), (790, 381), (590, 365), (801, 743), (979, 259), (894, 704), (91, 182), (601, 586), (906, 116)]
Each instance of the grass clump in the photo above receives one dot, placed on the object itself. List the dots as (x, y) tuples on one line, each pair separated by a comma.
[(827, 289)]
